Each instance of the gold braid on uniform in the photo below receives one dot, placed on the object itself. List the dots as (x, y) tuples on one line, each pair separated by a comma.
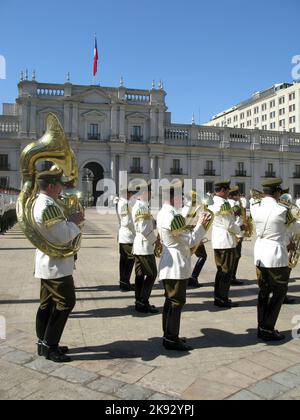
[(124, 210), (178, 224), (226, 210), (142, 214), (52, 215)]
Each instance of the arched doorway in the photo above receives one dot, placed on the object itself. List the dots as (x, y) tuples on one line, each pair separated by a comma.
[(92, 174)]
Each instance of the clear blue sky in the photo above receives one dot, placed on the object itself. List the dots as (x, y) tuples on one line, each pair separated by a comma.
[(211, 54)]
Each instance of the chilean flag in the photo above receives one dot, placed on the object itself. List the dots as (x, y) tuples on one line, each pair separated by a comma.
[(96, 58)]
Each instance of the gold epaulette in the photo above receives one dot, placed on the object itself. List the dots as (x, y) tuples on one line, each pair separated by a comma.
[(52, 215), (178, 223), (124, 210), (290, 219), (226, 210), (142, 214)]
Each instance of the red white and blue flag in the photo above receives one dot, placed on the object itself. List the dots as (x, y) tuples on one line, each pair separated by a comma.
[(96, 58)]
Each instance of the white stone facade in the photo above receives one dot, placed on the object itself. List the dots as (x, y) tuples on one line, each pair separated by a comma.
[(120, 129), (275, 109)]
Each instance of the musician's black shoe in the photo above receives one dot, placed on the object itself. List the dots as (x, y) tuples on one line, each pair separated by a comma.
[(194, 283), (235, 282), (177, 345), (226, 304), (54, 354), (127, 287), (289, 301), (267, 335), (63, 349), (146, 308)]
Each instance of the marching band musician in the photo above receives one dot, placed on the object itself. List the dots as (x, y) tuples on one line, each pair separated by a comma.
[(175, 265), (56, 274), (224, 242), (235, 202), (8, 217), (290, 247), (143, 251), (272, 222), (189, 212), (126, 239)]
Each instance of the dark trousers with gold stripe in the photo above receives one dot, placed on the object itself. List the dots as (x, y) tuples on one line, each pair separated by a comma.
[(145, 276), (237, 260), (57, 302), (201, 254), (225, 259), (126, 264), (273, 288), (175, 293)]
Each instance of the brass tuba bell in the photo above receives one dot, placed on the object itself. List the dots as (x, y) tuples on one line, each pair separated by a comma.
[(52, 147)]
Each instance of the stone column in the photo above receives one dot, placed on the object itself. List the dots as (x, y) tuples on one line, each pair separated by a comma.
[(161, 127), (33, 117), (122, 123), (24, 119), (75, 124), (153, 125), (161, 170), (67, 119), (114, 122)]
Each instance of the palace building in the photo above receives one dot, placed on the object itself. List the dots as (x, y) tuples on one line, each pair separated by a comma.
[(113, 129)]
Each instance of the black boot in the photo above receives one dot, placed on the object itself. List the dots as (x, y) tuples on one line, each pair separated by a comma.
[(194, 283), (177, 345), (54, 354), (63, 349)]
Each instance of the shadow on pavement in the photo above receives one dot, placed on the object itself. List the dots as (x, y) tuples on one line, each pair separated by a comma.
[(151, 349)]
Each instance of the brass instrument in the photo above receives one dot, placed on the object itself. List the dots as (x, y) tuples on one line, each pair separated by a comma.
[(203, 208), (158, 249), (294, 253), (52, 147), (247, 222)]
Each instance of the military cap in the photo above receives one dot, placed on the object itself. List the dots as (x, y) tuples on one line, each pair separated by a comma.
[(223, 184), (286, 191), (140, 185), (52, 177), (235, 190), (272, 183)]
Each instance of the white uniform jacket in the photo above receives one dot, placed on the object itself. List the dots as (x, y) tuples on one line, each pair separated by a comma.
[(144, 225), (126, 231), (225, 227), (54, 227), (274, 225), (176, 259)]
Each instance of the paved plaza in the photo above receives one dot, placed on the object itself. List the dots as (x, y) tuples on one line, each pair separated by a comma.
[(117, 353)]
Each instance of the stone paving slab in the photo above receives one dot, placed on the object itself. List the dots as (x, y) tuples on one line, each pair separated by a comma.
[(118, 354)]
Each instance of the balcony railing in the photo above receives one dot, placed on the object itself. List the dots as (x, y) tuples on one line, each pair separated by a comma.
[(209, 172), (270, 174), (176, 171), (137, 139), (240, 173), (296, 175), (136, 170), (94, 136)]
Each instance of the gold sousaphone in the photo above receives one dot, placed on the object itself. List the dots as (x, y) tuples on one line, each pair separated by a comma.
[(52, 147)]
